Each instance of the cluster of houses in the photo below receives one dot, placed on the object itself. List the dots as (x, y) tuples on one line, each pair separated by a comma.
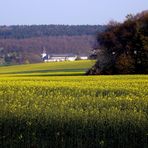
[(62, 57)]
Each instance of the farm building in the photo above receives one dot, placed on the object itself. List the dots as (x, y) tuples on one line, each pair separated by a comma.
[(61, 57)]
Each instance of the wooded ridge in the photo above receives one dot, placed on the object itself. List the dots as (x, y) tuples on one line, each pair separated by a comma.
[(24, 44)]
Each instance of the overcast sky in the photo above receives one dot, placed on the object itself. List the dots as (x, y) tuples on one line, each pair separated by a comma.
[(74, 12)]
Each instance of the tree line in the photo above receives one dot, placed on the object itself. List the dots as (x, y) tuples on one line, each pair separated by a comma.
[(26, 31)]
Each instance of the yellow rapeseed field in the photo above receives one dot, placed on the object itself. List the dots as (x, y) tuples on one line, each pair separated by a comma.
[(74, 111)]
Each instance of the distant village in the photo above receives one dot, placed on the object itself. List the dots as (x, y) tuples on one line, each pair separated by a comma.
[(62, 57)]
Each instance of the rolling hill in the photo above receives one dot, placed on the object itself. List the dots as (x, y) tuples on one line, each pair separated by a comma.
[(24, 44), (53, 68)]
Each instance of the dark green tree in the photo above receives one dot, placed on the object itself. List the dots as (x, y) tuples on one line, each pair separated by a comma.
[(124, 47)]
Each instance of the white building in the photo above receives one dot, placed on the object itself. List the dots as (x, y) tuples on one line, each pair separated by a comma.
[(58, 57), (83, 57), (61, 57)]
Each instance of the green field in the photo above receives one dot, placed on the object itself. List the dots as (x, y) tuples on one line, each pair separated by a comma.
[(72, 111), (46, 69)]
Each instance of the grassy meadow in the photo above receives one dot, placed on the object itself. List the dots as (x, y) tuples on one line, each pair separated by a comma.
[(54, 105), (51, 68)]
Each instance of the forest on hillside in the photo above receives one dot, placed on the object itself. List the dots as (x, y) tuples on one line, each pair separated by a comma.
[(24, 44), (26, 31)]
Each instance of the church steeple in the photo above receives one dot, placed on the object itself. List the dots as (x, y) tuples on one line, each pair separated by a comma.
[(44, 54)]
